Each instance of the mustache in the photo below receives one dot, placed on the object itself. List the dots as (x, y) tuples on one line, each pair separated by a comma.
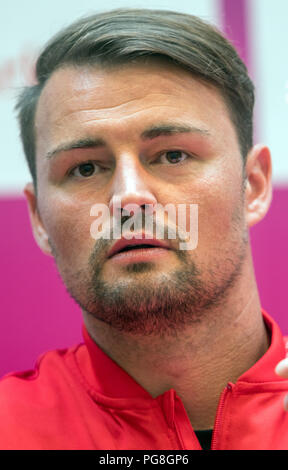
[(103, 244), (171, 220)]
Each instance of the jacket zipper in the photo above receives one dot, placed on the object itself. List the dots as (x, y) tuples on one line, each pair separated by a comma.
[(219, 414)]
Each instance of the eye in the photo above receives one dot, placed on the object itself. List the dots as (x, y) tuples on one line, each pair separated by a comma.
[(173, 156), (84, 170)]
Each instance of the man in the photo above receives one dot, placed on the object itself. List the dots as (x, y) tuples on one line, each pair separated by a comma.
[(148, 109)]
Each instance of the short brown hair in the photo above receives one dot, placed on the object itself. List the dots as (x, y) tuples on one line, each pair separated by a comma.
[(127, 35)]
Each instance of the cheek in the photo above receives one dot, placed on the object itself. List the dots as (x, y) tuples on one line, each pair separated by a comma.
[(222, 219), (220, 212), (68, 228)]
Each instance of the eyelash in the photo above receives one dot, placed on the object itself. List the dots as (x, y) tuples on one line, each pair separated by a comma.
[(70, 172), (172, 151)]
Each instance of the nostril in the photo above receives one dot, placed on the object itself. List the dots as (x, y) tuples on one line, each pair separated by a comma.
[(138, 201)]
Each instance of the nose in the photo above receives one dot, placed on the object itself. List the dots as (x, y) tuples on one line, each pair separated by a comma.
[(131, 186)]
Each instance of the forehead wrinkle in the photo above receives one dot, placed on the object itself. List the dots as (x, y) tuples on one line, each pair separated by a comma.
[(96, 111), (121, 119), (85, 86)]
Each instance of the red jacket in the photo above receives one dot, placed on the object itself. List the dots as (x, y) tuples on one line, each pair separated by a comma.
[(78, 398)]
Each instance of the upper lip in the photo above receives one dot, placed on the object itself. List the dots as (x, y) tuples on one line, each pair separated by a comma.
[(123, 242)]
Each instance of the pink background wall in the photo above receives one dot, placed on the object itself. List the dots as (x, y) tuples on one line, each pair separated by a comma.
[(37, 313)]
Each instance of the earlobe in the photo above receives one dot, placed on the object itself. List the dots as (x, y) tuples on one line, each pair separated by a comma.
[(258, 191), (38, 228)]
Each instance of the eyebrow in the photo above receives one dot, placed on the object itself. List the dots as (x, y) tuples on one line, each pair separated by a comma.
[(75, 144), (149, 134)]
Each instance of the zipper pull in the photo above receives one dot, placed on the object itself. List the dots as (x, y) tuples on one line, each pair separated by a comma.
[(219, 414)]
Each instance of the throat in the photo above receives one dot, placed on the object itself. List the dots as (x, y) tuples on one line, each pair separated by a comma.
[(197, 362)]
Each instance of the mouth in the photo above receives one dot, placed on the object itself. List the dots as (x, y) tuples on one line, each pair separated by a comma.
[(136, 247)]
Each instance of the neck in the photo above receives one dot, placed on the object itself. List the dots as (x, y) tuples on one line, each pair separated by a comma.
[(198, 362)]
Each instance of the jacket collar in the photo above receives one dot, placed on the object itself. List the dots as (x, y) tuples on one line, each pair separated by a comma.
[(111, 380), (263, 369)]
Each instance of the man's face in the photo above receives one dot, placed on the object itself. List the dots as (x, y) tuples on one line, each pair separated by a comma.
[(106, 116)]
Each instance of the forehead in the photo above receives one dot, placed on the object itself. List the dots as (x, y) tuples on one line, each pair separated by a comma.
[(78, 99)]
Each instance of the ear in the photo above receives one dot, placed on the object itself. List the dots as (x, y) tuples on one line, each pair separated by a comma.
[(258, 191), (38, 228)]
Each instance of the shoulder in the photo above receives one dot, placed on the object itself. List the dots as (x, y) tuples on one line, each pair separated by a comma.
[(47, 366), (51, 368), (31, 399)]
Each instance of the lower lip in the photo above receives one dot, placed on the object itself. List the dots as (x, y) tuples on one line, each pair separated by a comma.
[(139, 255)]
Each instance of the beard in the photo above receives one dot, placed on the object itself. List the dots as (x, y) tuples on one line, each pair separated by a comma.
[(148, 302)]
